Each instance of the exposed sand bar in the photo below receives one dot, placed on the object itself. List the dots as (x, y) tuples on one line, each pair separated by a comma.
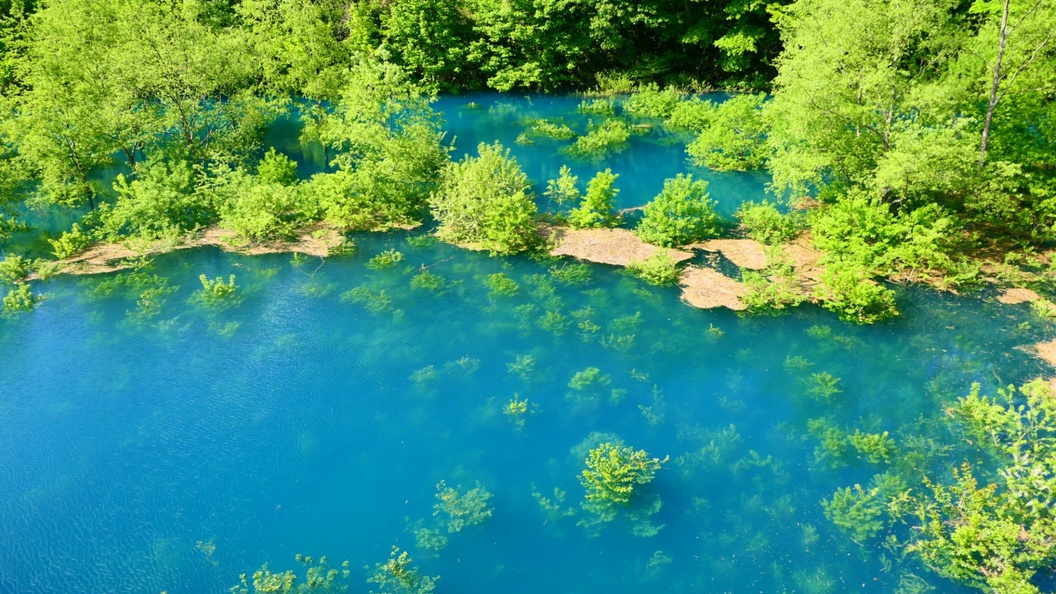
[(618, 247), (707, 288)]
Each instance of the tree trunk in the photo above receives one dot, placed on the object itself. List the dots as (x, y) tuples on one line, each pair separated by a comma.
[(996, 84)]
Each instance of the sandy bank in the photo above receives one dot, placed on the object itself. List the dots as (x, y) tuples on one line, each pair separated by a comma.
[(101, 258)]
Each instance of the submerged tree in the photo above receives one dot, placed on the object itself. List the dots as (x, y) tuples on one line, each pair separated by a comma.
[(614, 479), (682, 213)]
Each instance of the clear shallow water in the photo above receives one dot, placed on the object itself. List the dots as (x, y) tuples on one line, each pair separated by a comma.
[(303, 420)]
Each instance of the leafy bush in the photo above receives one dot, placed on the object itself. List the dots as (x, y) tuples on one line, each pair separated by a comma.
[(572, 274), (775, 288), (682, 213), (21, 299), (601, 140), (658, 269), (651, 102), (255, 209), (846, 289), (317, 578), (385, 259), (735, 138), (162, 202), (217, 293), (14, 268), (399, 576), (500, 284), (70, 242), (541, 128), (485, 200), (460, 510), (694, 114), (600, 107), (277, 169), (613, 476), (564, 190), (598, 208), (764, 223)]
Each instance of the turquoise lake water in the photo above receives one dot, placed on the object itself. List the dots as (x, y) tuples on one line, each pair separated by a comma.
[(317, 413)]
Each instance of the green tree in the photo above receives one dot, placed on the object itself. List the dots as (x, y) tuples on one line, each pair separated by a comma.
[(614, 476), (598, 208), (682, 213), (485, 200), (734, 138)]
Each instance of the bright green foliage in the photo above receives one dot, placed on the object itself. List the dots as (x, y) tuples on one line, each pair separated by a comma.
[(389, 151), (774, 288), (598, 208), (997, 535), (159, 203), (658, 269), (427, 281), (588, 378), (693, 114), (614, 477), (540, 128), (579, 273), (21, 299), (317, 578), (861, 512), (459, 510), (682, 213), (846, 289), (601, 140), (597, 107), (763, 222), (485, 200), (256, 209), (277, 169), (734, 138), (14, 268), (216, 292), (564, 190), (501, 284), (70, 242), (428, 39), (651, 102), (385, 259), (399, 576)]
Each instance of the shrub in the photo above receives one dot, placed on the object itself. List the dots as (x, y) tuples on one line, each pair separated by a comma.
[(601, 107), (21, 299), (70, 242), (462, 509), (385, 259), (694, 114), (658, 269), (651, 102), (541, 128), (14, 268), (735, 138), (612, 477), (682, 213), (598, 208), (764, 223), (846, 289), (601, 140), (501, 284), (564, 190), (485, 200)]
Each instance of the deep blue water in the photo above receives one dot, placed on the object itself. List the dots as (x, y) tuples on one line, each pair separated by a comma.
[(303, 420)]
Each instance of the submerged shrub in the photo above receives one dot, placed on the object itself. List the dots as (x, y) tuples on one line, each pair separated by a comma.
[(651, 102), (399, 576), (602, 107), (385, 259), (317, 577), (564, 190), (682, 213), (572, 274), (601, 140), (428, 281), (541, 128), (485, 200), (21, 299), (459, 510), (658, 269), (501, 284), (614, 476)]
